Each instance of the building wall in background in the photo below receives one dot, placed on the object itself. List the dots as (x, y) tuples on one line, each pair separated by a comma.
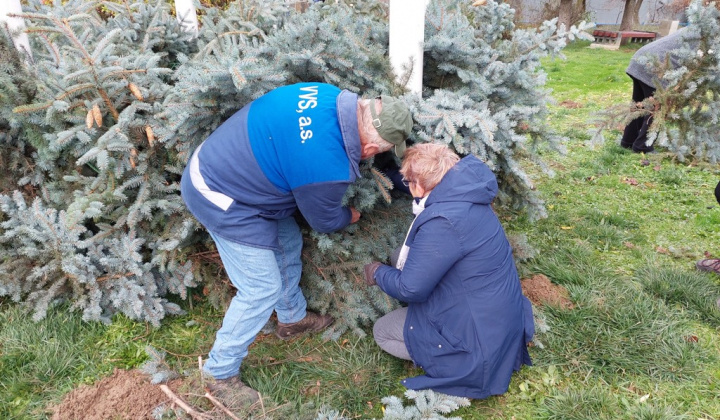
[(603, 12)]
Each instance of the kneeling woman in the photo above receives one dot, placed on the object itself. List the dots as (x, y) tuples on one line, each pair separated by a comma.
[(467, 323)]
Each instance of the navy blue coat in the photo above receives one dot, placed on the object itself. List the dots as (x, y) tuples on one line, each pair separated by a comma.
[(468, 323)]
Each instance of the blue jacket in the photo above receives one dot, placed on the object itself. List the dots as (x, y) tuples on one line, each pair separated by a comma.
[(297, 146), (468, 323)]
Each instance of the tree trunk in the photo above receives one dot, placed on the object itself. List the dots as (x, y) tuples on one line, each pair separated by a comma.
[(15, 24), (582, 6), (187, 15), (407, 35), (565, 13), (631, 14)]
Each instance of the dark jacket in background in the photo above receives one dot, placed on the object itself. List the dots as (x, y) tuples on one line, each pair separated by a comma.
[(660, 49)]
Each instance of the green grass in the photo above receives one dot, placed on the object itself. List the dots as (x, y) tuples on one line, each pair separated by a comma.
[(622, 235), (588, 73), (40, 359)]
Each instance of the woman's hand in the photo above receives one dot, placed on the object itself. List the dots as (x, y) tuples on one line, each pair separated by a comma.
[(369, 272)]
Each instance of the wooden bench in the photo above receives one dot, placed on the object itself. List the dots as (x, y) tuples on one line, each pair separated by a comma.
[(612, 40), (638, 36)]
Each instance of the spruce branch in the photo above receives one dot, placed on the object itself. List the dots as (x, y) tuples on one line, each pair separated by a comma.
[(384, 184), (62, 26)]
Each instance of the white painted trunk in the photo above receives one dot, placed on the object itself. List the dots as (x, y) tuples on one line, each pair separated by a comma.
[(15, 24), (407, 37), (187, 15)]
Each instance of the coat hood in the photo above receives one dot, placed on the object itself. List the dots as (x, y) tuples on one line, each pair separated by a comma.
[(470, 180)]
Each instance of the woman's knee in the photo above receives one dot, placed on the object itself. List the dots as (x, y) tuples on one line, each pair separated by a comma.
[(378, 332), (384, 327)]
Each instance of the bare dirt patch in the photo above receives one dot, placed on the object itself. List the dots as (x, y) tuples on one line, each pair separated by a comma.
[(541, 291), (571, 104), (126, 394)]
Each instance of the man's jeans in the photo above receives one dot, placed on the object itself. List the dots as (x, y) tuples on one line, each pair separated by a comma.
[(265, 280)]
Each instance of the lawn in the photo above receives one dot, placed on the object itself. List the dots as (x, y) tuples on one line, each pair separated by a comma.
[(623, 232)]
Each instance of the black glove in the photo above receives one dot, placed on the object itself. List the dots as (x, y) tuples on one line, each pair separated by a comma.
[(369, 270)]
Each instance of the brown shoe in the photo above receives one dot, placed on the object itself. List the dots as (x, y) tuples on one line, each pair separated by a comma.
[(232, 392), (311, 323)]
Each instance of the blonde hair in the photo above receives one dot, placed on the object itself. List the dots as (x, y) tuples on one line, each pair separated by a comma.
[(427, 163), (368, 133)]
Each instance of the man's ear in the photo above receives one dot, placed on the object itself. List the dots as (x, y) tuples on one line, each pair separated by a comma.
[(369, 150)]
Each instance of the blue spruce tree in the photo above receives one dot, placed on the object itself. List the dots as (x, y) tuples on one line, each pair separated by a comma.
[(685, 107), (123, 98), (100, 226), (16, 88), (686, 111)]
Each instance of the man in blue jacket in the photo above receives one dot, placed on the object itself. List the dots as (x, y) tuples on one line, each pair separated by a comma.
[(295, 148)]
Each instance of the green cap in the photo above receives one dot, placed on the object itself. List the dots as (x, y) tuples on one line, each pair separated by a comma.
[(394, 123)]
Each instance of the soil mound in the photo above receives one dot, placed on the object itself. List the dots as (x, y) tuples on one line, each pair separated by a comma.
[(541, 291), (126, 394)]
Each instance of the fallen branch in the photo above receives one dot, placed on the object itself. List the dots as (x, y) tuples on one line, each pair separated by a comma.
[(262, 404), (182, 404), (219, 405)]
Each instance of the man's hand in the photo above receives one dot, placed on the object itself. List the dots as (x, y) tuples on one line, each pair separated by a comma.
[(369, 272), (355, 215)]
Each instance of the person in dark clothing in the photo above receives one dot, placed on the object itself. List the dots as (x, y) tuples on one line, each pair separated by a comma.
[(644, 85), (467, 323), (635, 133)]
